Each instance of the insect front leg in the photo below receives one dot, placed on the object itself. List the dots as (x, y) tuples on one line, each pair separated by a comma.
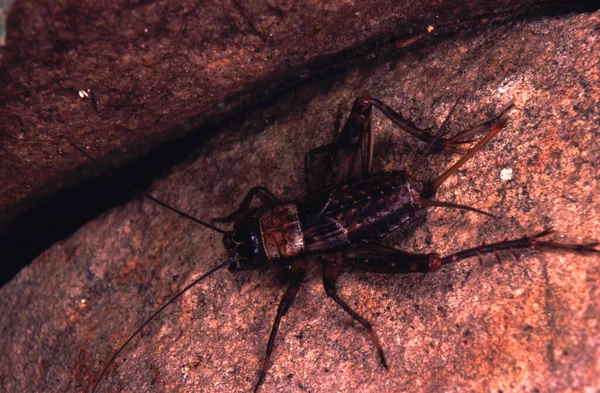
[(330, 274), (298, 273), (265, 196)]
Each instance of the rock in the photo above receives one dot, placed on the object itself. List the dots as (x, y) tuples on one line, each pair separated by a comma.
[(520, 325)]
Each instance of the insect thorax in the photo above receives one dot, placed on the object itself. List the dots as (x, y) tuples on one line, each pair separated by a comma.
[(281, 233)]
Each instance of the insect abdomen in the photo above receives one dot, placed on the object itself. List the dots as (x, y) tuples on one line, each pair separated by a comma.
[(358, 211), (372, 207)]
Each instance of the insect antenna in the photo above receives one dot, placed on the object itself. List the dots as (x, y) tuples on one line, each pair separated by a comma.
[(180, 293), (136, 189), (177, 296)]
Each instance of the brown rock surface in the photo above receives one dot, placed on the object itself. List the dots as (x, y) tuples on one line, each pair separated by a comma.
[(131, 74), (523, 325)]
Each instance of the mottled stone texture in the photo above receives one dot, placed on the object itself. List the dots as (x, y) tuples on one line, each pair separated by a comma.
[(527, 325), (129, 74)]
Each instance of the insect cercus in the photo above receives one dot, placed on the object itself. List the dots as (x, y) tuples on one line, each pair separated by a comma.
[(348, 210)]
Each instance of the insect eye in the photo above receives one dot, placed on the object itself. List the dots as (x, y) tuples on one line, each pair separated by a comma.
[(246, 243)]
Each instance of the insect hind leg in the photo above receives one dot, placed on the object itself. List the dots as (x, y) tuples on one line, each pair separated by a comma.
[(432, 186), (525, 242), (351, 156), (436, 141), (384, 259), (317, 163)]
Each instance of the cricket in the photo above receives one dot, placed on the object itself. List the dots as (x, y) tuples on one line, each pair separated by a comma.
[(348, 211)]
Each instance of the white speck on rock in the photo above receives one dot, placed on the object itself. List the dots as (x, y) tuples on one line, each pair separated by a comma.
[(506, 174)]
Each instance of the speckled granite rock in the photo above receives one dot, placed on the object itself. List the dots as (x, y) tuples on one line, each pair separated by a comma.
[(128, 75), (528, 325)]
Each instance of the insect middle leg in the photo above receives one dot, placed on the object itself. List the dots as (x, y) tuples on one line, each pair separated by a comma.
[(330, 274), (298, 273)]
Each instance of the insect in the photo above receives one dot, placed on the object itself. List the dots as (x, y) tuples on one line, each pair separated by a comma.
[(349, 208)]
